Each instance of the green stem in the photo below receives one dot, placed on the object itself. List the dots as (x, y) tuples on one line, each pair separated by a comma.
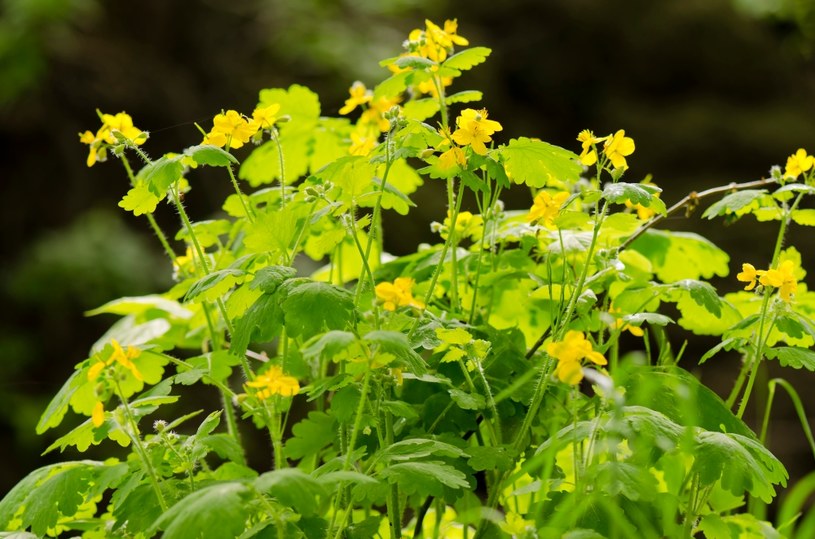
[(451, 232), (394, 513), (352, 442), (276, 138), (247, 208), (135, 436)]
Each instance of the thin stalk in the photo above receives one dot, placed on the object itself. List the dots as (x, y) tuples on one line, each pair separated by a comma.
[(276, 138), (352, 442), (394, 513), (137, 444), (247, 208)]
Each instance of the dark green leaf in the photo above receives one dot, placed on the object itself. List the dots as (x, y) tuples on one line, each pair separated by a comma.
[(396, 343), (214, 512), (310, 436), (161, 174), (313, 307), (225, 277), (292, 487), (270, 278), (424, 478)]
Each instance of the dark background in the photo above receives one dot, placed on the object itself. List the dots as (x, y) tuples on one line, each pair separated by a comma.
[(712, 91)]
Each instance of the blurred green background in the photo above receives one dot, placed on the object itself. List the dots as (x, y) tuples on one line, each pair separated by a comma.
[(712, 91)]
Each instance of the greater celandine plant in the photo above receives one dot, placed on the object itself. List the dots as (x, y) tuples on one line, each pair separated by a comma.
[(474, 388)]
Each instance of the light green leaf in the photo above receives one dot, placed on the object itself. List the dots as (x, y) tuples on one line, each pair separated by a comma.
[(793, 356), (142, 304), (420, 109), (468, 58), (55, 412), (682, 255), (417, 448), (535, 163), (735, 203), (161, 174), (140, 199), (466, 96), (207, 154), (805, 217), (214, 284), (396, 343)]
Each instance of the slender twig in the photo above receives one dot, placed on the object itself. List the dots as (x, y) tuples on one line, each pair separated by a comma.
[(691, 200)]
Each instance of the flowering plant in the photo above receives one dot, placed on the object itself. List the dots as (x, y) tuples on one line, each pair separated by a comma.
[(474, 388)]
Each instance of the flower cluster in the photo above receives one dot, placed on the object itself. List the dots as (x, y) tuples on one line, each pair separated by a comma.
[(274, 382), (119, 356), (232, 130), (569, 353), (435, 42), (372, 122), (783, 278), (398, 294), (104, 138), (616, 148), (546, 207)]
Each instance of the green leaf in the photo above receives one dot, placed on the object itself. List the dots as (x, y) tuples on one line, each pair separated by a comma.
[(536, 163), (297, 101), (142, 304), (275, 230), (214, 512), (207, 154), (393, 85), (490, 458), (330, 345), (310, 436), (467, 401), (638, 319), (635, 193), (352, 174), (682, 255), (313, 307), (206, 232), (214, 284), (466, 96), (421, 109), (468, 58), (424, 478), (678, 395), (805, 217), (396, 343), (161, 174), (417, 448), (270, 278), (140, 199), (293, 488), (793, 356), (217, 365), (735, 203), (415, 62), (260, 323), (56, 409), (741, 463)]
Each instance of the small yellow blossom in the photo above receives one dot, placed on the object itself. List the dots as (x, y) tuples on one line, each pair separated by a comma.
[(798, 163), (373, 118), (474, 129), (265, 117), (359, 96), (230, 129), (569, 353), (546, 207), (274, 382), (782, 278), (587, 139), (516, 525), (452, 158), (398, 294), (104, 138), (98, 414), (622, 326), (749, 275), (467, 225), (617, 147), (119, 355)]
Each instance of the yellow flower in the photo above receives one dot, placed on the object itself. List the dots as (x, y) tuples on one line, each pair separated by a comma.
[(274, 382), (798, 163), (119, 355), (617, 148), (467, 225), (373, 118), (474, 129), (749, 275), (398, 294), (359, 96), (230, 129), (99, 143), (622, 326), (452, 158), (782, 278), (569, 353), (265, 117), (546, 207), (587, 139), (514, 524), (446, 37)]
